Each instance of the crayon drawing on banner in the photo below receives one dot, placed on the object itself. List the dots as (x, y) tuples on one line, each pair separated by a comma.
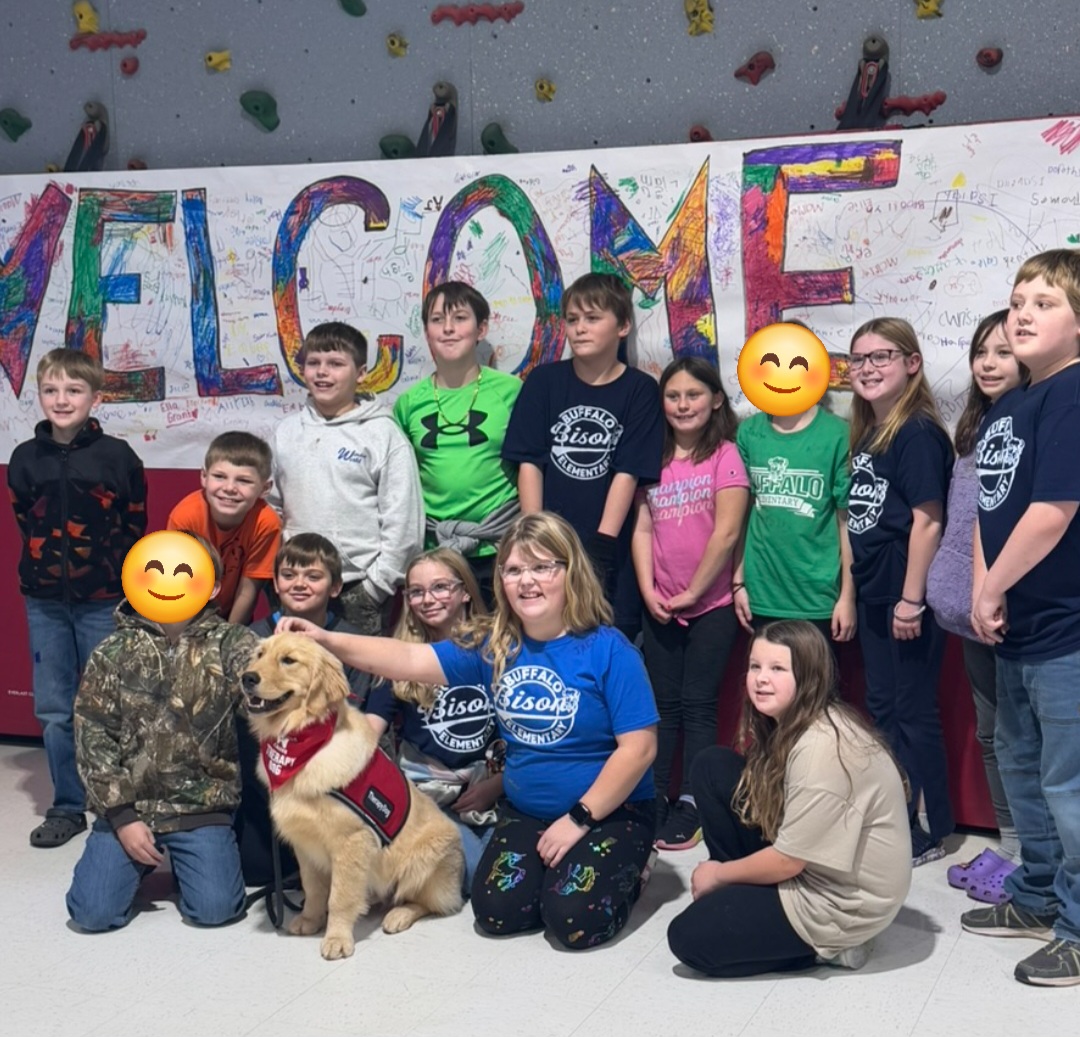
[(196, 286)]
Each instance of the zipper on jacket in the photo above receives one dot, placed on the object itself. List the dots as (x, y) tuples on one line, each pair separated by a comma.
[(64, 571)]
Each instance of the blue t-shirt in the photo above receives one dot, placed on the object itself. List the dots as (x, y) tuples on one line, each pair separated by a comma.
[(457, 729), (885, 487), (1027, 453), (581, 435), (559, 706)]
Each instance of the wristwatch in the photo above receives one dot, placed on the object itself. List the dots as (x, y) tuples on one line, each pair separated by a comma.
[(580, 815)]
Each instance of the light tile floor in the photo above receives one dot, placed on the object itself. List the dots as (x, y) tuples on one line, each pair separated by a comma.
[(161, 977)]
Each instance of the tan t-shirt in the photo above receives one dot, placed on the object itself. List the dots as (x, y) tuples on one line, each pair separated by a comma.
[(853, 833)]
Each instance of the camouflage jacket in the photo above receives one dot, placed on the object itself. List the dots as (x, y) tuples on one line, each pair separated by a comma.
[(155, 733)]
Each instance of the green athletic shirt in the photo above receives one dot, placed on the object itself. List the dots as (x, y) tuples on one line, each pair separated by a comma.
[(458, 451), (791, 563)]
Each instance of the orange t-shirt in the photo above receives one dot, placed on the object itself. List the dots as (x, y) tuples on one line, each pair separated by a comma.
[(247, 550)]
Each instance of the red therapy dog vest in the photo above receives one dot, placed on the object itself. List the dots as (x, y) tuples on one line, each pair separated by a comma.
[(378, 795)]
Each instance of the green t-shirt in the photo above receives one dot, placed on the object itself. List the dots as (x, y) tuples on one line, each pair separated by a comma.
[(799, 480), (458, 446)]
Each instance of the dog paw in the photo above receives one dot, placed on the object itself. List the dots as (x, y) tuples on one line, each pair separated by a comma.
[(398, 919), (302, 925), (337, 947)]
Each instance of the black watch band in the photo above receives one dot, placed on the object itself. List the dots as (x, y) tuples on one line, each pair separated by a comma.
[(580, 815)]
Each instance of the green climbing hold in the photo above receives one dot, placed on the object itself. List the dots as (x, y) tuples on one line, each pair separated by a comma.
[(261, 107), (13, 124), (357, 8), (397, 145), (494, 141)]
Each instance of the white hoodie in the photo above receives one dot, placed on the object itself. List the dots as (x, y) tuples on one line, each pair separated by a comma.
[(353, 479)]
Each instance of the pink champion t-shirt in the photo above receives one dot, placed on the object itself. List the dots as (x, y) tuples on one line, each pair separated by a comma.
[(683, 509)]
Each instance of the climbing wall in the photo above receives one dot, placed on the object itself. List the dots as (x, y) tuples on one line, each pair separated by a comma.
[(553, 74)]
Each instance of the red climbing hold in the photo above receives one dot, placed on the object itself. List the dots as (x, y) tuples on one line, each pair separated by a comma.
[(925, 103), (699, 133), (129, 66), (105, 40), (989, 57), (756, 67), (459, 14), (136, 164)]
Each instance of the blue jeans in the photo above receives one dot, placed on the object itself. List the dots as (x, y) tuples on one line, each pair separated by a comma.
[(1037, 739), (205, 863), (473, 843), (62, 636)]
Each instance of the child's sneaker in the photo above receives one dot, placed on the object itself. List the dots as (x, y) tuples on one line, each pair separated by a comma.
[(850, 957), (1055, 965), (682, 829), (923, 848), (1008, 920)]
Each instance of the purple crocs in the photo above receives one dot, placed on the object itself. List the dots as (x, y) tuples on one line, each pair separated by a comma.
[(964, 876), (990, 889)]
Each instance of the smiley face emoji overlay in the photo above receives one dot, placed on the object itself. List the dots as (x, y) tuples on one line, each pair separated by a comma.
[(168, 576), (783, 369)]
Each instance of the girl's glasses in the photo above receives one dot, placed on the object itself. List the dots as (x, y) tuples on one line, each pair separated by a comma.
[(541, 571), (879, 358), (440, 590)]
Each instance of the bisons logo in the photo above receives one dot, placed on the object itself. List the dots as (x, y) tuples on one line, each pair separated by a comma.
[(583, 440), (867, 496), (996, 457), (535, 706), (462, 719)]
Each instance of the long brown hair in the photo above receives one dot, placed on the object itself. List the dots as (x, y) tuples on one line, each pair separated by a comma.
[(586, 607), (768, 742), (978, 403), (409, 628), (722, 422), (916, 399)]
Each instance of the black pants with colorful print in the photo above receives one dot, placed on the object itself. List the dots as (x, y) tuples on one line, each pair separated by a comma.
[(582, 902)]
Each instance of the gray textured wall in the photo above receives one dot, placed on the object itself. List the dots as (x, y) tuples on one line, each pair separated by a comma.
[(626, 72)]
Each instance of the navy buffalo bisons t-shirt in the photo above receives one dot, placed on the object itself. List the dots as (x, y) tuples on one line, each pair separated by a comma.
[(580, 435), (885, 487), (1027, 453)]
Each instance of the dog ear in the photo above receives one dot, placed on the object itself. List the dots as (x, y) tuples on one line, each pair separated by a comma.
[(328, 680)]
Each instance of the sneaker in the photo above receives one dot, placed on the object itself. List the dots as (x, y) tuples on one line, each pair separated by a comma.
[(1055, 965), (646, 872), (1008, 920), (849, 957), (682, 829), (57, 829), (923, 848)]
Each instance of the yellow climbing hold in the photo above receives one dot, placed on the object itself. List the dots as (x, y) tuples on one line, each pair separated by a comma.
[(218, 60), (86, 18), (959, 180)]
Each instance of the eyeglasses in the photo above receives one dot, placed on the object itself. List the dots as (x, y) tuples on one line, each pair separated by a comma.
[(879, 358), (440, 590), (541, 571)]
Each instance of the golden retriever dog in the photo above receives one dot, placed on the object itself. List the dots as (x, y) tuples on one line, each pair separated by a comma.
[(295, 691)]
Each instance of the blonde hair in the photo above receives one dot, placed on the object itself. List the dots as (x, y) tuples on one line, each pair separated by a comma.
[(586, 607), (768, 742), (409, 628), (74, 363), (916, 399), (1059, 268)]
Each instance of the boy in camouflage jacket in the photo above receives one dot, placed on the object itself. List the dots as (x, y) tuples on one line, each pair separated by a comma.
[(155, 743)]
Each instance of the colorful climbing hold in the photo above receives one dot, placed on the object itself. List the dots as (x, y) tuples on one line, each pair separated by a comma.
[(13, 123), (989, 58), (86, 18), (107, 40), (699, 133), (51, 167), (461, 14), (699, 14), (397, 145), (136, 164), (218, 60), (262, 108), (494, 142), (928, 8), (357, 8), (91, 145), (129, 65), (545, 90), (439, 136), (925, 103), (396, 45), (756, 67)]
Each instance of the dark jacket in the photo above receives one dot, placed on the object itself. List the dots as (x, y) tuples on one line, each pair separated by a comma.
[(80, 507), (155, 733)]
